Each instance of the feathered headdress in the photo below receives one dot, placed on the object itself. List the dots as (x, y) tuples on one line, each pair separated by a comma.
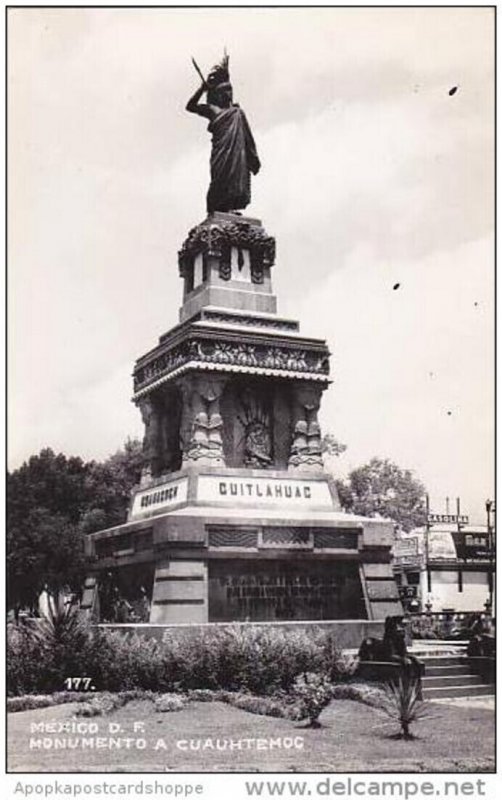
[(219, 73)]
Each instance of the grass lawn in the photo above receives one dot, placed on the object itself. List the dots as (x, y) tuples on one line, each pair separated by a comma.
[(354, 738)]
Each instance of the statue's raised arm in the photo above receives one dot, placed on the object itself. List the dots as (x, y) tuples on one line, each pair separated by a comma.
[(233, 151)]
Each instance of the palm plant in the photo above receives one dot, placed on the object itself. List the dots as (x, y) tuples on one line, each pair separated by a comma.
[(60, 639), (403, 703)]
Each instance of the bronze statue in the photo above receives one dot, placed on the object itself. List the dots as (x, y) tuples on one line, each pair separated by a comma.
[(233, 151)]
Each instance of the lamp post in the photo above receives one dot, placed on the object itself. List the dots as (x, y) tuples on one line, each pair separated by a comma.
[(427, 528), (490, 510)]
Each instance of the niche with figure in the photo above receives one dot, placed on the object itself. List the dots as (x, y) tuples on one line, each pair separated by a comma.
[(256, 423), (161, 412)]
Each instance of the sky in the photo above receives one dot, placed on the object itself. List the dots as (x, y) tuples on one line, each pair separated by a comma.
[(373, 174)]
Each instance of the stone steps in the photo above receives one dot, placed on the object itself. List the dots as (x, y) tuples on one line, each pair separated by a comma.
[(447, 669), (451, 676), (444, 661), (434, 682), (459, 691)]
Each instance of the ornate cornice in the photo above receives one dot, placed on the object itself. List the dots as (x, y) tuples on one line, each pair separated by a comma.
[(216, 239), (249, 320), (195, 352)]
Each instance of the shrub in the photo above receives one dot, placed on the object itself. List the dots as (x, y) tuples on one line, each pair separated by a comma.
[(43, 652), (28, 702), (100, 705), (285, 708), (169, 702), (129, 661), (254, 659), (313, 692), (258, 660), (106, 702), (202, 695), (367, 693), (27, 661)]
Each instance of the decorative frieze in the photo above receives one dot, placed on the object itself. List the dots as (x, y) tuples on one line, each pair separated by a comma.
[(211, 351)]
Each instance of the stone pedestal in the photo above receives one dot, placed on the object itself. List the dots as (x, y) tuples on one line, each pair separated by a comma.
[(235, 519), (225, 262)]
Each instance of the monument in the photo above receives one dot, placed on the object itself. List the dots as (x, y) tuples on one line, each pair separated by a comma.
[(235, 518)]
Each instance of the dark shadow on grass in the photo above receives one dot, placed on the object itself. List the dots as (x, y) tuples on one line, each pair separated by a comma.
[(409, 737), (313, 725)]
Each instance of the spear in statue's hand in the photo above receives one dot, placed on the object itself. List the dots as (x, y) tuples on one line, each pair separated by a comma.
[(199, 71)]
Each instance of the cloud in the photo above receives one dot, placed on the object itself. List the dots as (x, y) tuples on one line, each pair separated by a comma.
[(413, 375)]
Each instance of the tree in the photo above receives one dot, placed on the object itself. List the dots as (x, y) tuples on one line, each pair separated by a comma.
[(49, 481), (52, 501), (46, 497), (109, 485), (331, 446), (382, 487), (44, 553)]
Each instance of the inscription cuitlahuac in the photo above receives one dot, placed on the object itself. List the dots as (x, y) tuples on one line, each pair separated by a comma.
[(219, 489), (264, 491), (279, 491)]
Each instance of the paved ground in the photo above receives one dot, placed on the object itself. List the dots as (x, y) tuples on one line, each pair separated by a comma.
[(484, 701)]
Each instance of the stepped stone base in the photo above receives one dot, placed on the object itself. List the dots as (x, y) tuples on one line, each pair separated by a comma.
[(247, 546)]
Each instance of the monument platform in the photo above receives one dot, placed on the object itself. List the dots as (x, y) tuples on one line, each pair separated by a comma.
[(235, 519), (217, 544)]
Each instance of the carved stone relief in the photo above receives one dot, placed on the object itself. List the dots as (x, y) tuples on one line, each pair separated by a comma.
[(256, 421), (306, 452), (202, 425)]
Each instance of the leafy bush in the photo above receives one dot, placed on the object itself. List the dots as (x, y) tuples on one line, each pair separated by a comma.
[(254, 659), (257, 660), (28, 702), (106, 702), (100, 705), (314, 692), (169, 702), (202, 695), (284, 707), (368, 693), (27, 661), (130, 661)]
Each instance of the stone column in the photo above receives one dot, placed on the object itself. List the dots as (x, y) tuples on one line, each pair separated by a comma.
[(151, 440), (305, 453), (202, 424)]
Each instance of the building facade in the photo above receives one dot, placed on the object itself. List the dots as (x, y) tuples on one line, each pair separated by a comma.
[(447, 568)]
